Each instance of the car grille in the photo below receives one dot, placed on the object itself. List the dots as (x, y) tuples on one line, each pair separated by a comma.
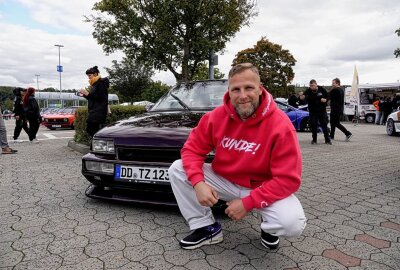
[(167, 155), (55, 121)]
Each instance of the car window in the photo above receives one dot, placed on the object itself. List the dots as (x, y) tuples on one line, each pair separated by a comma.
[(283, 107), (197, 95)]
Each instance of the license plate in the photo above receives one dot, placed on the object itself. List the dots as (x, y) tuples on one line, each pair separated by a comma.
[(55, 126), (141, 174)]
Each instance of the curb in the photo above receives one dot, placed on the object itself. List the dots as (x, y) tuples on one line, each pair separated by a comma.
[(81, 148)]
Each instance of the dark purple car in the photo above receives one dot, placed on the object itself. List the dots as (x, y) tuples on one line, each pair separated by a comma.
[(129, 159)]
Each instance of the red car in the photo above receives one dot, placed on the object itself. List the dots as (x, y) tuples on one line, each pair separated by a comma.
[(63, 118)]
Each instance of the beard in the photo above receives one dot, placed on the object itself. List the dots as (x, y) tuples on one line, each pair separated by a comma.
[(245, 113)]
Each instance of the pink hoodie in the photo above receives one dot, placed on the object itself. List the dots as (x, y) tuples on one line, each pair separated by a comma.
[(261, 153)]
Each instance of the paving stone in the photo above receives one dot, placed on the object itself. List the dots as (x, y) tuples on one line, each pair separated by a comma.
[(232, 240), (313, 246), (357, 249), (391, 225), (342, 258), (59, 246), (11, 258), (36, 252), (182, 257), (93, 227), (200, 265), (343, 231), (50, 263), (99, 249), (27, 242), (378, 243), (156, 262), (250, 251), (384, 259), (332, 239), (138, 253), (10, 236), (371, 265), (133, 266), (73, 256), (227, 259), (91, 263), (294, 254), (318, 263), (156, 234), (272, 261), (244, 267), (133, 239), (114, 259)]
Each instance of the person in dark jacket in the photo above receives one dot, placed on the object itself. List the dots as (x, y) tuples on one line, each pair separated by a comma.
[(292, 100), (32, 113), (317, 97), (97, 98), (336, 96), (20, 119), (301, 99)]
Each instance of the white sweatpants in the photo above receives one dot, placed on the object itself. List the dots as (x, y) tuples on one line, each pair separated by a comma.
[(283, 218)]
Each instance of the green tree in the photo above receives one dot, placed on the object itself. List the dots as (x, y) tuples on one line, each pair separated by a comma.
[(129, 78), (169, 34), (154, 91), (397, 51), (201, 73), (274, 64)]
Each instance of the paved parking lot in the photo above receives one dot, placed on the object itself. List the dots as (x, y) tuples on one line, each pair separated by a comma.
[(350, 193)]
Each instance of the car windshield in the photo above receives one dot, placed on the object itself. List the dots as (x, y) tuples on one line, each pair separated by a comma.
[(204, 95), (66, 111)]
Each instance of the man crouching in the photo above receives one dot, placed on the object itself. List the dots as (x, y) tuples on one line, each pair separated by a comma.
[(257, 165)]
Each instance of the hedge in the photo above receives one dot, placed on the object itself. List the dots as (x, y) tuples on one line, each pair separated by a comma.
[(118, 112)]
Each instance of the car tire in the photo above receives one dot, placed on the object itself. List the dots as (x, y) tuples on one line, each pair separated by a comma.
[(390, 129), (305, 125), (370, 118)]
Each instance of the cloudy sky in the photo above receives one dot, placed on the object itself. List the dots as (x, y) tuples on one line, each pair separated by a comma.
[(327, 38)]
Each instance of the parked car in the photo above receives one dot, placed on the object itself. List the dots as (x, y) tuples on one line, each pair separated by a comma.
[(61, 118), (129, 159), (7, 114), (393, 123), (299, 118)]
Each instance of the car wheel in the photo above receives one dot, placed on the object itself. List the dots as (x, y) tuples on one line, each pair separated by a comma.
[(305, 125), (370, 118), (390, 129)]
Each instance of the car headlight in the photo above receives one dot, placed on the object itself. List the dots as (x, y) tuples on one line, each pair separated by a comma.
[(103, 146), (102, 167), (65, 119)]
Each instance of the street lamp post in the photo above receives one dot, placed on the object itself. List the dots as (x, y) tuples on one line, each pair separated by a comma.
[(37, 81), (59, 68)]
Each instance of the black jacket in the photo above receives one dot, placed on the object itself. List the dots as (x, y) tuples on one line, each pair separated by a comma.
[(31, 110), (336, 96), (314, 99), (18, 107), (98, 101)]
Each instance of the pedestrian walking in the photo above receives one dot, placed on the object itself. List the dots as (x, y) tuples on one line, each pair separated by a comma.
[(336, 96), (20, 119), (97, 98), (32, 113), (317, 97), (257, 165)]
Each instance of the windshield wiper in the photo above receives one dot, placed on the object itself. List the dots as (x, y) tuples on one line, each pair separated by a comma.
[(183, 104)]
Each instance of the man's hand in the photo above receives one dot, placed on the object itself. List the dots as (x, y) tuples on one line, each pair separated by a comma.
[(84, 92), (235, 209), (206, 195), (323, 100)]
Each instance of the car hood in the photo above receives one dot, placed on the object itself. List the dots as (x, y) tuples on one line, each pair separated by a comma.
[(160, 129)]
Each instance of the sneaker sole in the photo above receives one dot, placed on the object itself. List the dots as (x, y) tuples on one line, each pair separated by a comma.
[(270, 245), (214, 240)]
